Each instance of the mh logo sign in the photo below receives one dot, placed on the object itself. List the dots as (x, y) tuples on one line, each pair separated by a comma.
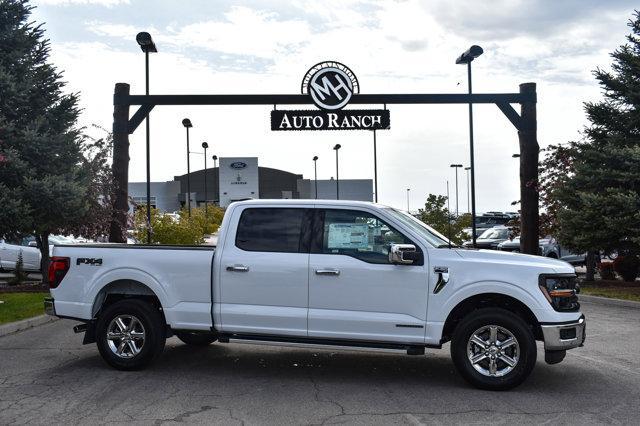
[(330, 85)]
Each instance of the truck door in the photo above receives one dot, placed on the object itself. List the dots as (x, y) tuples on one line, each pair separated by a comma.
[(354, 291), (264, 271)]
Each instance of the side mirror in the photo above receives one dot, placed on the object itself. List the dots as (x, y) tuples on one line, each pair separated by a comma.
[(403, 254), (33, 244)]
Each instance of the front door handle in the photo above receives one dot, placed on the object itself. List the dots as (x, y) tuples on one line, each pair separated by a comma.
[(327, 272), (237, 268)]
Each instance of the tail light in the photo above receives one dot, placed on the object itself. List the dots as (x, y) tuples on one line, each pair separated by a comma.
[(58, 267)]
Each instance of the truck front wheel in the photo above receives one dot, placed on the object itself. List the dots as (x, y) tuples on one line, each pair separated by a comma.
[(130, 334), (493, 349)]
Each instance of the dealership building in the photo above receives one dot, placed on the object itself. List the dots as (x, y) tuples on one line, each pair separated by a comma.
[(240, 178)]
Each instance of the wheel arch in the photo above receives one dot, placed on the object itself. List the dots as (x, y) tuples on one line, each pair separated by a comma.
[(487, 300)]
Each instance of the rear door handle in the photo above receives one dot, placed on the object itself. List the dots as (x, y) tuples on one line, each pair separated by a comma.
[(327, 272), (237, 268)]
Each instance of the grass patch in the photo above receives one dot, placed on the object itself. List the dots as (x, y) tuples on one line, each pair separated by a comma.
[(19, 306), (624, 293)]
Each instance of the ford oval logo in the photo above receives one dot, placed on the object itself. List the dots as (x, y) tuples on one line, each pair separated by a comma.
[(238, 165)]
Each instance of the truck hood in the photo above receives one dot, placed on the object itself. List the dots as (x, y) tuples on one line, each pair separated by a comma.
[(515, 259)]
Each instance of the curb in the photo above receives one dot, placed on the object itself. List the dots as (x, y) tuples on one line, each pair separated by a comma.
[(608, 301), (14, 327)]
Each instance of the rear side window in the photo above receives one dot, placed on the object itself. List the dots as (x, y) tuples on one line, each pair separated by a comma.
[(270, 230)]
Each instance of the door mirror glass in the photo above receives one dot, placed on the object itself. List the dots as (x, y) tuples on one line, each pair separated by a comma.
[(403, 254), (33, 244)]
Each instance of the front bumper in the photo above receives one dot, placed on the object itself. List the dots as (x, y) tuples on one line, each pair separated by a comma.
[(563, 336), (49, 306)]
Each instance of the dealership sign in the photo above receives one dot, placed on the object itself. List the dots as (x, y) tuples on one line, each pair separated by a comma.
[(330, 85), (354, 119)]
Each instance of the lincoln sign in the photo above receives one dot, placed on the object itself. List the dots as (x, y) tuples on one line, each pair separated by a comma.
[(330, 85)]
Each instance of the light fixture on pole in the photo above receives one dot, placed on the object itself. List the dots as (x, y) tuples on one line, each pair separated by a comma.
[(187, 125), (205, 146), (336, 148), (408, 211), (456, 166), (466, 58), (468, 195), (375, 166), (147, 45), (215, 161), (315, 171), (515, 155)]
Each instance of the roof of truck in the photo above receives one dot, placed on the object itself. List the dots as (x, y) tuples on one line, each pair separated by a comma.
[(350, 203)]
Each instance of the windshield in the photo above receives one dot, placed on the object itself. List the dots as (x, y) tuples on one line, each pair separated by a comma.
[(432, 236), (495, 234)]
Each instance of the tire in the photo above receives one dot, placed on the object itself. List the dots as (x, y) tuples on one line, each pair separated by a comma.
[(521, 352), (137, 338), (196, 338)]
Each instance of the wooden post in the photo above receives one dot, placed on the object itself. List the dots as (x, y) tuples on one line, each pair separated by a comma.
[(120, 167), (529, 152)]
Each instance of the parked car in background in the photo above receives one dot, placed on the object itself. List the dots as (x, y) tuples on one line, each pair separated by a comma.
[(490, 238), (549, 247), (10, 251), (488, 221)]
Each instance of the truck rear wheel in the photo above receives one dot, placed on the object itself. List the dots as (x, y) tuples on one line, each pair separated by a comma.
[(493, 349), (130, 334), (196, 339)]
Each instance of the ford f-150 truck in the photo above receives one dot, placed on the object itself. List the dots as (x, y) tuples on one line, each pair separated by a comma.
[(320, 273)]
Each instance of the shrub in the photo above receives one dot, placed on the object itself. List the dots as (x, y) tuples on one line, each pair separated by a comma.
[(606, 271), (19, 275), (627, 267), (183, 231)]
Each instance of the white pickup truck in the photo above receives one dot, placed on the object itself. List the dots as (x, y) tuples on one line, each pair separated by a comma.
[(331, 274)]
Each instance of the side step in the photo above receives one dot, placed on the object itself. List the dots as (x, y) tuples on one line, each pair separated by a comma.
[(318, 343)]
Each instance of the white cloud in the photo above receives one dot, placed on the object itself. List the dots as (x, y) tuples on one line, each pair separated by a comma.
[(393, 47), (108, 3)]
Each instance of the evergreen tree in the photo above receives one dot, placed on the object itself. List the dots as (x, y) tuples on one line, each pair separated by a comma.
[(46, 180), (597, 189)]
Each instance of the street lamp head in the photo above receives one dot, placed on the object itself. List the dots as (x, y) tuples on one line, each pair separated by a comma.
[(146, 42), (468, 168), (205, 145), (468, 56), (315, 158), (215, 157), (187, 123), (456, 165), (515, 155), (337, 147)]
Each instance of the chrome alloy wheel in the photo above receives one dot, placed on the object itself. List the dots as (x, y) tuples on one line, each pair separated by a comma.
[(493, 351), (125, 336)]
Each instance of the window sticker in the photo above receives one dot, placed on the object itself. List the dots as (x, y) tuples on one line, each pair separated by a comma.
[(348, 236)]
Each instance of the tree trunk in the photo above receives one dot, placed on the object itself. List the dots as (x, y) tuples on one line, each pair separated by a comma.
[(591, 266), (529, 152), (118, 227), (43, 244)]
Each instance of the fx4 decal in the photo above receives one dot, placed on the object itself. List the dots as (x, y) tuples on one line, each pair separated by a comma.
[(88, 261)]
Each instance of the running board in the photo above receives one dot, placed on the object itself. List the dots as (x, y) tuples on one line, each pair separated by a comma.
[(326, 344)]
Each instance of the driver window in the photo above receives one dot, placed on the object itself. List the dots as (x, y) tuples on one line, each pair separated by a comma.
[(359, 234)]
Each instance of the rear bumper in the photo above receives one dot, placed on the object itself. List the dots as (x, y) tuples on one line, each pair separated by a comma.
[(49, 306), (564, 336)]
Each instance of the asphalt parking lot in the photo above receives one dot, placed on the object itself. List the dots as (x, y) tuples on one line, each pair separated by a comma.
[(48, 377)]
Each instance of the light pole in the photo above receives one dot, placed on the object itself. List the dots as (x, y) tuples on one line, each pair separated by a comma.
[(336, 148), (187, 125), (148, 46), (315, 172), (408, 211), (468, 203), (466, 58), (205, 146), (375, 166), (456, 166)]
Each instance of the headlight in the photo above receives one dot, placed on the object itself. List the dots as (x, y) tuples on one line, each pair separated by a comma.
[(560, 290)]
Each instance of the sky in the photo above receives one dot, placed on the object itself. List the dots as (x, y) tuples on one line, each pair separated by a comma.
[(393, 46)]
